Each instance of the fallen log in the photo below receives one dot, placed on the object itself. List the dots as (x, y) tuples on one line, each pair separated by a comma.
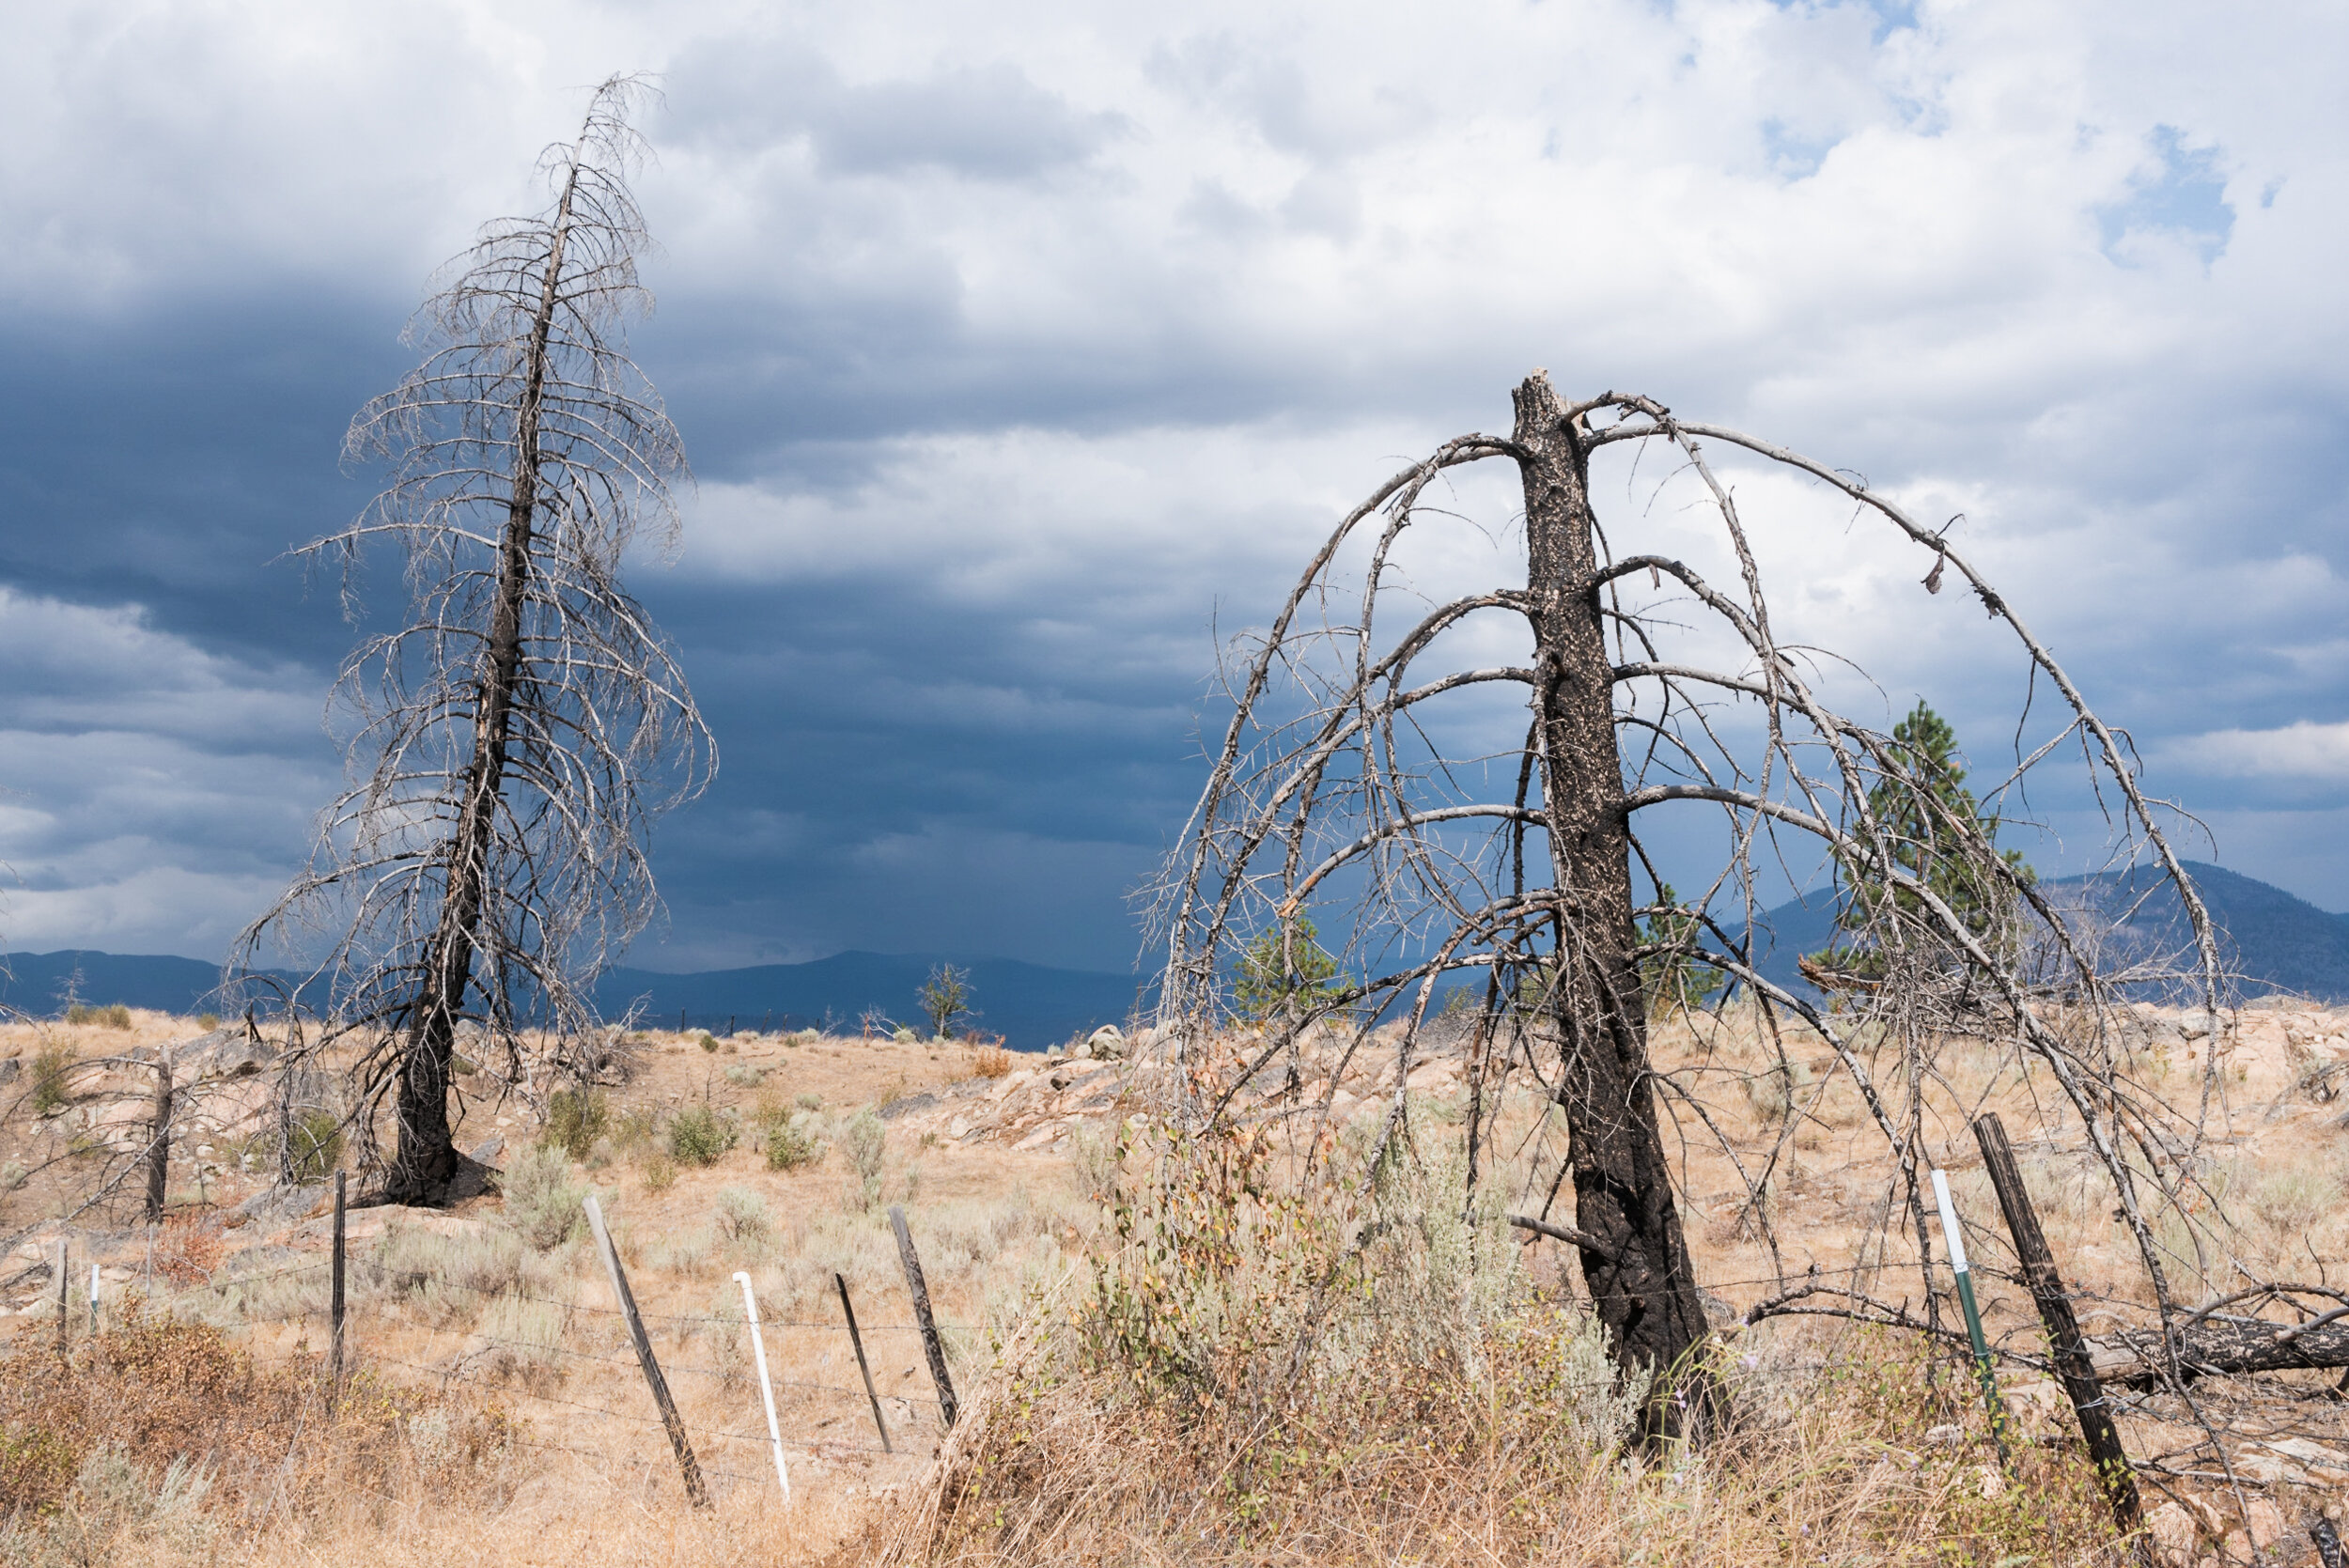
[(2217, 1346)]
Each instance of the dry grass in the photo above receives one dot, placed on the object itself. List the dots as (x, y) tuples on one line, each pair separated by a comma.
[(1418, 1432)]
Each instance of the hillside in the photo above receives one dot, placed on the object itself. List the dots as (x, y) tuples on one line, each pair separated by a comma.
[(1030, 1006), (2275, 942)]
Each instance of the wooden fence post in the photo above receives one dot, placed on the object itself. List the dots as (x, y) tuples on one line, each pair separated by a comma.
[(334, 1384), (2073, 1369), (921, 1292), (858, 1340), (660, 1385), (64, 1281), (158, 1148)]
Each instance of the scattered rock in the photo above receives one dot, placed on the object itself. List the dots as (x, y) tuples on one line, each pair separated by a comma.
[(223, 1053), (2177, 1539), (489, 1151), (1107, 1043)]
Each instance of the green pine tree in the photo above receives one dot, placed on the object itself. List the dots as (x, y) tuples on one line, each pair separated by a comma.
[(1921, 809), (1285, 969)]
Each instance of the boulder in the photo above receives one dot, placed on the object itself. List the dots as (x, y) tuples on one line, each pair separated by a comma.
[(223, 1053), (1106, 1044)]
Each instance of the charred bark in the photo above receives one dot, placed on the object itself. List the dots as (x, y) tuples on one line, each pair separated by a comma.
[(1639, 1274)]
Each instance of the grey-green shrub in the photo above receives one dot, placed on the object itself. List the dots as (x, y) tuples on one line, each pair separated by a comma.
[(866, 1140), (542, 1201)]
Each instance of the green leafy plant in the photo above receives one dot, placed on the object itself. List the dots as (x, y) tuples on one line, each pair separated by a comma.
[(708, 1042), (1286, 971), (575, 1118), (52, 1076), (791, 1144), (865, 1138), (542, 1201), (313, 1146), (700, 1137)]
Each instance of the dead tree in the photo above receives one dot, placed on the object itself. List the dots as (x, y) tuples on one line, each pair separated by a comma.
[(1503, 847), (510, 743)]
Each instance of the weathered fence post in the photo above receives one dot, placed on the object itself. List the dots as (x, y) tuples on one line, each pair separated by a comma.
[(2073, 1369), (334, 1380), (159, 1147), (93, 1299), (858, 1340), (660, 1385), (921, 1292), (64, 1281)]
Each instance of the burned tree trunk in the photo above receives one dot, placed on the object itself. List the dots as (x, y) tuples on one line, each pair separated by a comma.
[(425, 1161), (511, 743), (1639, 1274)]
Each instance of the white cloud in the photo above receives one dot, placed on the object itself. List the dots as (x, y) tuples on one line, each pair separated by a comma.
[(2301, 751)]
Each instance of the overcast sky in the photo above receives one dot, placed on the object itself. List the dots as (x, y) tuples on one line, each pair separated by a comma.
[(1018, 347)]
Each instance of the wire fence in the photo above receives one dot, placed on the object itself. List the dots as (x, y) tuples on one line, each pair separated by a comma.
[(251, 1300)]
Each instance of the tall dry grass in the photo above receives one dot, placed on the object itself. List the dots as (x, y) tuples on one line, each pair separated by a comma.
[(1260, 1371)]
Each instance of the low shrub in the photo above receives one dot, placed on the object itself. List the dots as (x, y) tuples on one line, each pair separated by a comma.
[(745, 1215), (52, 1076), (866, 1140), (700, 1136), (743, 1074), (114, 1016), (791, 1145), (709, 1043), (575, 1118), (542, 1202), (313, 1146), (207, 1022), (660, 1173)]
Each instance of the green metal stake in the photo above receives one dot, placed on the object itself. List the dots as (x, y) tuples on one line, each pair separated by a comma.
[(1973, 1313)]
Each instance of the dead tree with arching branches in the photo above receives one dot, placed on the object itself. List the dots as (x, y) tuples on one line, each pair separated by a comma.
[(1350, 778), (510, 743)]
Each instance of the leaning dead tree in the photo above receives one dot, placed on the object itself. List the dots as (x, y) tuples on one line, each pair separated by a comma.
[(510, 743), (1485, 853)]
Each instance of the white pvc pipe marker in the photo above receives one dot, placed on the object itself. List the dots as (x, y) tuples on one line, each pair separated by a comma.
[(766, 1389), (1950, 1231)]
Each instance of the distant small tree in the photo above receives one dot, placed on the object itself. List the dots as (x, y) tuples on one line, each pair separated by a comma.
[(1285, 970), (946, 998), (1672, 976), (1939, 836)]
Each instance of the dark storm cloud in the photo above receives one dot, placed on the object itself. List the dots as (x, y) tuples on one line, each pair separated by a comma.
[(1019, 357)]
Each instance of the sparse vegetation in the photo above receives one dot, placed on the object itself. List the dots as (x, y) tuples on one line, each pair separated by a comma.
[(576, 1118), (52, 1074), (789, 1144), (82, 1015), (992, 1062), (313, 1145), (700, 1136), (542, 1201)]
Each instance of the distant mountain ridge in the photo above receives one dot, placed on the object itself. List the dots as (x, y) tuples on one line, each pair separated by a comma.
[(1031, 1005), (2273, 941)]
